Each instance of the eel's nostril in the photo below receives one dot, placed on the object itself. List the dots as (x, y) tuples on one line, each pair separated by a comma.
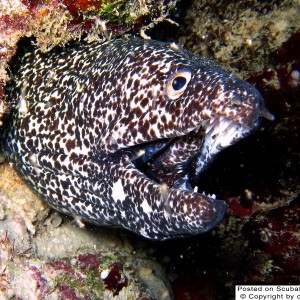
[(264, 113)]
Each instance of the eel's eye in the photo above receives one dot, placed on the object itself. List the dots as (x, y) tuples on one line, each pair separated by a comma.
[(177, 83)]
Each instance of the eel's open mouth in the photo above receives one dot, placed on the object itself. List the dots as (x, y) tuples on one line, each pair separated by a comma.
[(178, 161)]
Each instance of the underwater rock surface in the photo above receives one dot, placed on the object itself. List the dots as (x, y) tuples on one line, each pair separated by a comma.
[(48, 256)]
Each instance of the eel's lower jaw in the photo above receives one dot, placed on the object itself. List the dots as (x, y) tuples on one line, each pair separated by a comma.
[(186, 211), (190, 213)]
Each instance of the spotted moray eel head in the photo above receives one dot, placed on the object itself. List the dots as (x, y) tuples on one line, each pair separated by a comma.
[(171, 94)]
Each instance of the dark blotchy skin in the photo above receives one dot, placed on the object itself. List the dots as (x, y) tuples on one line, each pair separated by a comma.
[(98, 132)]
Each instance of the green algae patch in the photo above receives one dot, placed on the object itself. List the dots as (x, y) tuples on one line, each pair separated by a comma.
[(117, 11)]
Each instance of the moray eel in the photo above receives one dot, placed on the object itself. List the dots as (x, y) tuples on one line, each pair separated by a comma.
[(114, 132)]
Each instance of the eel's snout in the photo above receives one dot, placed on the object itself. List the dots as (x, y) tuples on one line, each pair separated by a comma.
[(258, 110), (243, 103)]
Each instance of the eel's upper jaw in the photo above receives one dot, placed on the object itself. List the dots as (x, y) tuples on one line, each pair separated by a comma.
[(220, 132)]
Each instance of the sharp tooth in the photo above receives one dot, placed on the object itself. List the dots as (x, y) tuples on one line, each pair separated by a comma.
[(223, 125), (232, 130), (208, 129), (227, 137), (220, 128), (198, 129)]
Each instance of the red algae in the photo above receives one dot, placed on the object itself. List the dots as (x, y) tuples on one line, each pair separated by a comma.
[(67, 293), (237, 207), (89, 261), (41, 285), (66, 268), (115, 279), (32, 4), (78, 6), (273, 255)]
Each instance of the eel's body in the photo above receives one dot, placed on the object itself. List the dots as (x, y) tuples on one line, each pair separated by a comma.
[(113, 132)]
